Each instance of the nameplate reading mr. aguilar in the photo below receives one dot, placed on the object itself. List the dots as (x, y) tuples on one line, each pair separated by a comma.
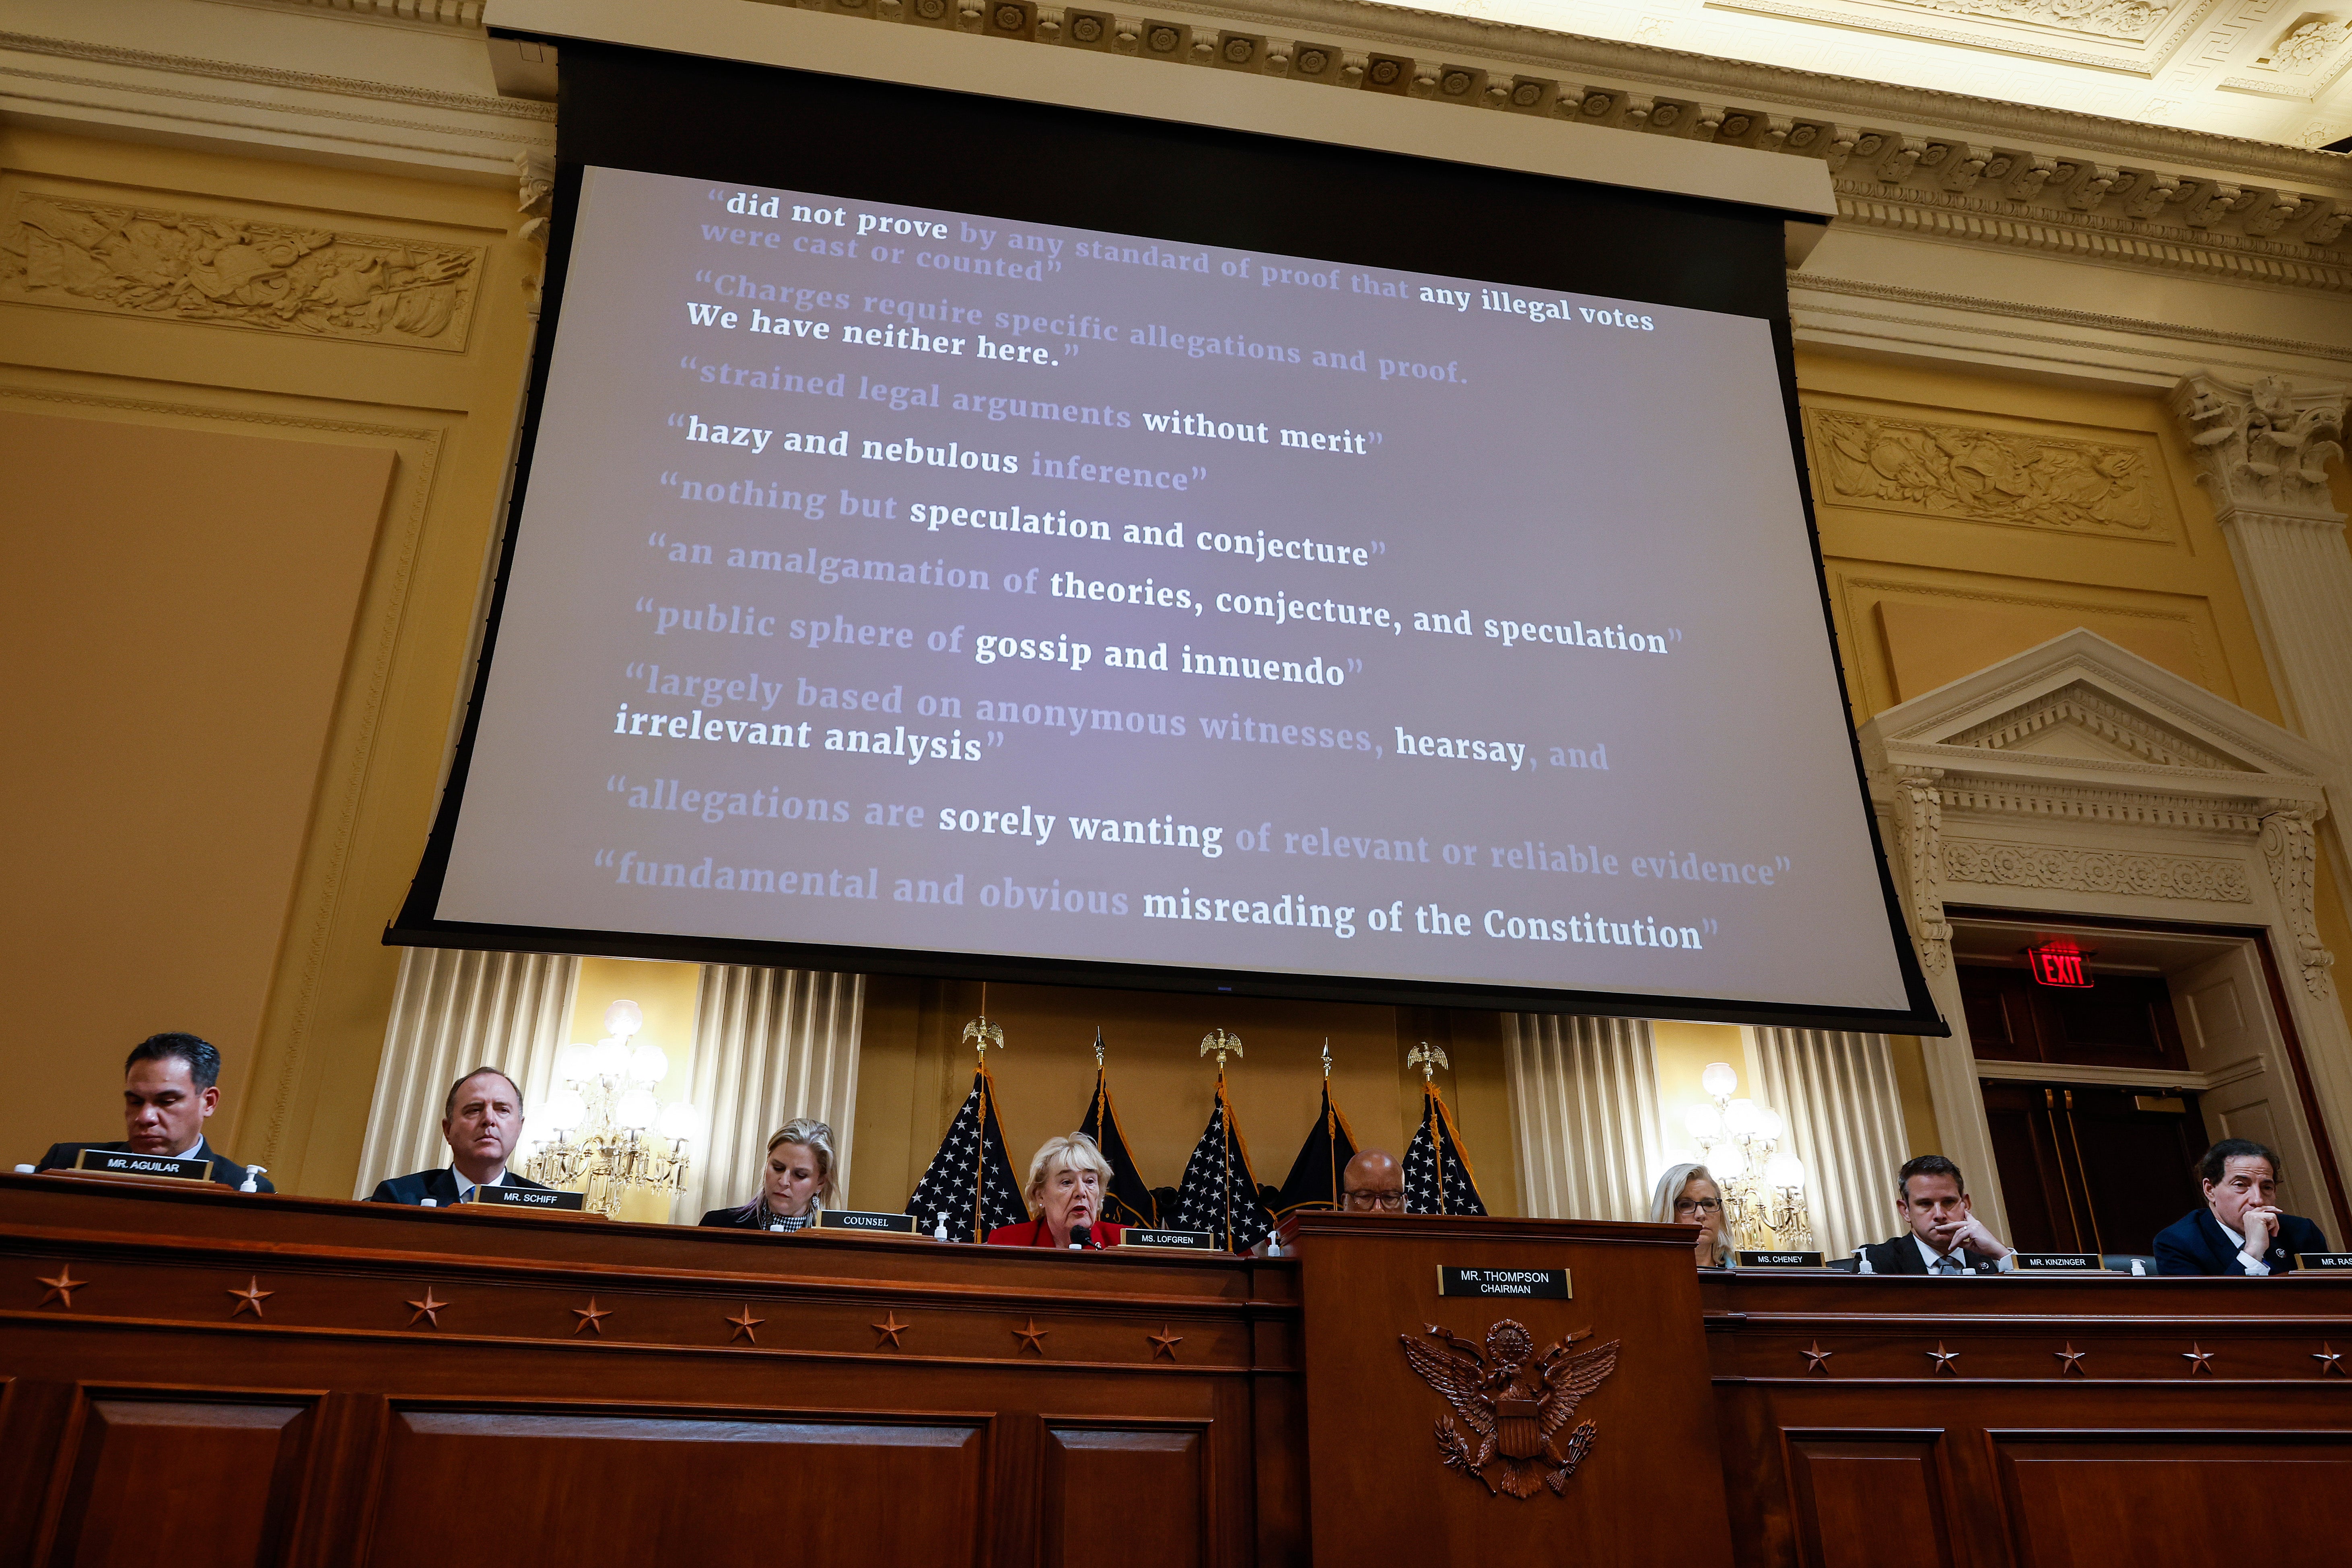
[(122, 1162), (869, 1221), (1168, 1241), (1542, 1284), (1780, 1261), (2330, 1261), (527, 1198)]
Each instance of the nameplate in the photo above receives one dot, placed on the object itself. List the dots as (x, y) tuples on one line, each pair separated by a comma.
[(542, 1200), (2324, 1260), (871, 1222), (2058, 1263), (1540, 1284), (1168, 1241), (1781, 1260), (122, 1162)]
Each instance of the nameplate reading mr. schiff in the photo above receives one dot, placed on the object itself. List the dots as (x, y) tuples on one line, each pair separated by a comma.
[(2330, 1261), (869, 1221), (122, 1162), (1168, 1241), (527, 1198), (1542, 1284), (1780, 1261)]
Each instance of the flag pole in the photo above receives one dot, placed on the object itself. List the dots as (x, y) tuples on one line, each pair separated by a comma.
[(1221, 1043), (1429, 1058), (1330, 1134), (981, 1034)]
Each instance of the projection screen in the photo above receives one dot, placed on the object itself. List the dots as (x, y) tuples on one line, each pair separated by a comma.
[(926, 587)]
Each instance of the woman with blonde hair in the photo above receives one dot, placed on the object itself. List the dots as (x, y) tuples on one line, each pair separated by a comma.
[(794, 1186), (1068, 1179), (1688, 1195)]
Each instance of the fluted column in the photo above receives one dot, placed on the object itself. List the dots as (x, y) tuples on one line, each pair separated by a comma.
[(2264, 452), (1584, 1092), (1845, 1111), (769, 1045), (452, 1012)]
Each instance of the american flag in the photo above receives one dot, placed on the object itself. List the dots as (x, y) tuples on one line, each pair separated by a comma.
[(1437, 1178), (971, 1183), (1219, 1194), (1128, 1201)]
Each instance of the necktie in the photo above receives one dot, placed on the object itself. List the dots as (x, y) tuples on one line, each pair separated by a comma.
[(1948, 1264)]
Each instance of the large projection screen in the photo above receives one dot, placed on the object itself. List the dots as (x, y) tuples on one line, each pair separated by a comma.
[(971, 586)]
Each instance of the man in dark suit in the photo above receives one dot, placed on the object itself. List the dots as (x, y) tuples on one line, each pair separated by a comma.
[(1945, 1237), (170, 1084), (481, 1121), (2240, 1230)]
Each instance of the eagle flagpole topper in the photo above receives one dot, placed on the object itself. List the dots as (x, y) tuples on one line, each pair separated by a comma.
[(980, 1034)]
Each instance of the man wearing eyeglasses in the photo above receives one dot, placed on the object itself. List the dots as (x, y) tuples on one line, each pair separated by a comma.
[(1373, 1182)]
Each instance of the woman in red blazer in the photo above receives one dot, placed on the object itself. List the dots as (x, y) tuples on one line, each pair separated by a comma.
[(1067, 1182)]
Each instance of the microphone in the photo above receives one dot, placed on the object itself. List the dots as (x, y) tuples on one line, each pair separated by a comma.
[(1081, 1237)]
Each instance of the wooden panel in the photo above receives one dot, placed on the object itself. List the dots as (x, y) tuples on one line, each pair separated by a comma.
[(1133, 1494), (1868, 1501), (573, 1484), (2175, 1499), (179, 1477)]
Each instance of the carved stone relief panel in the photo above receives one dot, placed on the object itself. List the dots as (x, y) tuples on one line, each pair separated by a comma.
[(2135, 20), (232, 271), (1978, 475), (2007, 865)]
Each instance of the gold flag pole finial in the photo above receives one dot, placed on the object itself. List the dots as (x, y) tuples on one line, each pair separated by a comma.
[(1428, 1058), (1098, 1047), (980, 1034), (1221, 1043), (1327, 1058)]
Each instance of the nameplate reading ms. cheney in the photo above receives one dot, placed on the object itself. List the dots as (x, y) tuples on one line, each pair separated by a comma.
[(536, 1198), (1543, 1284), (869, 1221), (1780, 1261), (122, 1162)]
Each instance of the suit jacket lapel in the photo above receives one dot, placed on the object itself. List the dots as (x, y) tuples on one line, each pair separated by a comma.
[(442, 1186), (2218, 1251)]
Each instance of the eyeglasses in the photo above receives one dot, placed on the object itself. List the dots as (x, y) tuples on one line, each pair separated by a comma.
[(1696, 1206), (1365, 1201)]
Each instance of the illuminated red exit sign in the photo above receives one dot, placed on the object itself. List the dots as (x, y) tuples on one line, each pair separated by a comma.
[(2058, 963)]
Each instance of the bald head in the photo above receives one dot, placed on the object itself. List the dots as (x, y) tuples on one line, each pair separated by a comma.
[(1372, 1182)]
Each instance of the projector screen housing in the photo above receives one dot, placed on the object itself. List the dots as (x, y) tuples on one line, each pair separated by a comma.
[(1308, 453)]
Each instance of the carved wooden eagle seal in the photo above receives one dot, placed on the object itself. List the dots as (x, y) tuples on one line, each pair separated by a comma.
[(1514, 1401)]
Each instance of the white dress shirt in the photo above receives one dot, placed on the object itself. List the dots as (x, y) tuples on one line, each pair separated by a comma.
[(2007, 1266), (466, 1188), (2255, 1266)]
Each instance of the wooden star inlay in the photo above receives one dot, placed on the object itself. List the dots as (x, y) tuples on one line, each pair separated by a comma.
[(1164, 1344), (2071, 1360), (2198, 1359), (888, 1331), (1943, 1359), (1816, 1358), (252, 1296), (590, 1317), (2330, 1359), (1031, 1338), (747, 1327), (428, 1311), (62, 1288)]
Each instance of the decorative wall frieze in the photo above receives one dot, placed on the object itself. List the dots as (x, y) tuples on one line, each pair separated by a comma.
[(1995, 863), (2264, 447), (435, 16), (2291, 851), (534, 199), (1919, 810), (2115, 809), (163, 264), (1980, 475), (2027, 28), (2136, 20), (2080, 707), (271, 76)]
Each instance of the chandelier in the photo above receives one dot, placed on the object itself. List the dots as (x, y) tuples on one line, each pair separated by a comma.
[(601, 1114), (1763, 1186)]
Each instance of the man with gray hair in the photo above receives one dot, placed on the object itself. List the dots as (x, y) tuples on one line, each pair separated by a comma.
[(481, 1121)]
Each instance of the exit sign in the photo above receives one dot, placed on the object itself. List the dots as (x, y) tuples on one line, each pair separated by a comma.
[(2059, 963)]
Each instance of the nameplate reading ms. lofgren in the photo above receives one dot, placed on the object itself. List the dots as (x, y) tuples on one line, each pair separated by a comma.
[(527, 1198), (869, 1221), (1780, 1261), (1168, 1241), (122, 1162), (1543, 1284)]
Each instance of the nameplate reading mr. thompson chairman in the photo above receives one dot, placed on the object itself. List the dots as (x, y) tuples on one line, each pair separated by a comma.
[(1542, 1284)]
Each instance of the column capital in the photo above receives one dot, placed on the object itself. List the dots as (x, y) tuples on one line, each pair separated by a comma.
[(2263, 450)]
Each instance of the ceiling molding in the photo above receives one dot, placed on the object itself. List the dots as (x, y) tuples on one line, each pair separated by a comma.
[(271, 76)]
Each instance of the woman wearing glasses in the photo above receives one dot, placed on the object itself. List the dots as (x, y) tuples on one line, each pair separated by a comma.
[(1688, 1195)]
